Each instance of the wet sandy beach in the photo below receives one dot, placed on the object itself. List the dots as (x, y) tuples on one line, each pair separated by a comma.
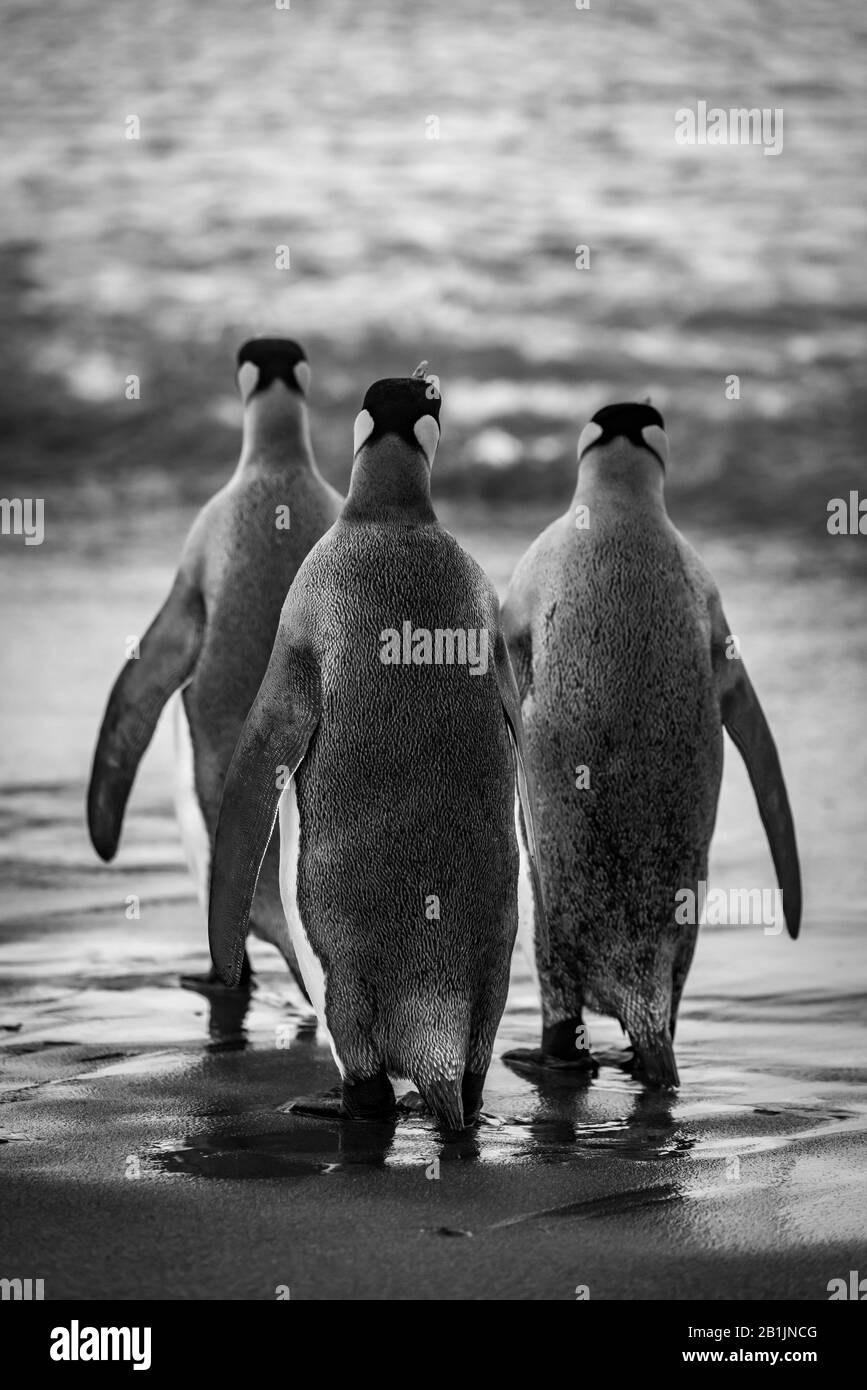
[(145, 1153), (131, 1104)]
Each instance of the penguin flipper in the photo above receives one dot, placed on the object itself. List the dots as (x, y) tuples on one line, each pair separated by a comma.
[(167, 655), (511, 702), (745, 722), (272, 744)]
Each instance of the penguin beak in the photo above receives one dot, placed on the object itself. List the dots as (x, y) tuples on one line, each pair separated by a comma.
[(301, 372), (248, 380), (362, 430), (588, 436), (657, 442), (427, 432)]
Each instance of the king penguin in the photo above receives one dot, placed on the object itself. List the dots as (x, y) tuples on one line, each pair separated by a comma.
[(391, 698), (627, 678), (209, 645)]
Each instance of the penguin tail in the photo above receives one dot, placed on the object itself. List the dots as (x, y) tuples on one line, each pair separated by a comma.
[(445, 1100), (655, 1063), (429, 1043)]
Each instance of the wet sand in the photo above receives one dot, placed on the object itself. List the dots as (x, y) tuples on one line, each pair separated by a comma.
[(147, 1156), (145, 1152)]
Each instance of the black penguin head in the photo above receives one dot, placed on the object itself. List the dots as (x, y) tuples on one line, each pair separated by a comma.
[(262, 361), (642, 425), (408, 406)]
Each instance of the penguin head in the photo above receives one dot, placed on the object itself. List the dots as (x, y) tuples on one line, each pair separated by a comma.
[(262, 361), (641, 424), (408, 406)]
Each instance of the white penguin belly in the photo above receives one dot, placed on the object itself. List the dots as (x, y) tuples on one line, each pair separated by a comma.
[(526, 902), (308, 962), (194, 834)]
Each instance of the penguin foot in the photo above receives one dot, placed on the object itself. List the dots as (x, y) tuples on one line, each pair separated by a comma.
[(413, 1104), (328, 1103), (530, 1059), (369, 1099)]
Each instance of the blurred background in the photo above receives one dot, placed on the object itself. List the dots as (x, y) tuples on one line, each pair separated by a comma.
[(309, 127)]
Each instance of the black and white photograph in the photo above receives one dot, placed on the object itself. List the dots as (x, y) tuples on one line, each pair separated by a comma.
[(433, 544)]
